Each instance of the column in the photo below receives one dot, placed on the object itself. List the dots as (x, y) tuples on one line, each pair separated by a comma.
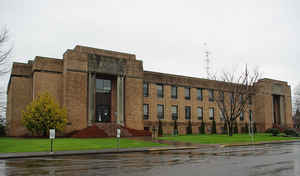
[(282, 110), (120, 100), (91, 107)]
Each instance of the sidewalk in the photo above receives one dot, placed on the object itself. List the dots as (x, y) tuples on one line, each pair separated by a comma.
[(87, 152)]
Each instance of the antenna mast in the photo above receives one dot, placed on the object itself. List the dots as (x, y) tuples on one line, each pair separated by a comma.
[(207, 60)]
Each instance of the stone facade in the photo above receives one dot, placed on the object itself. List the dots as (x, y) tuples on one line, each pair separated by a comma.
[(73, 83)]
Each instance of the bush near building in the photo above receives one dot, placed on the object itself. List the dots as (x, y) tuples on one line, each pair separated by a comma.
[(2, 130), (214, 127), (42, 114)]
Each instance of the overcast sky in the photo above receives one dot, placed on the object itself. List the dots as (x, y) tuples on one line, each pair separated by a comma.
[(168, 35)]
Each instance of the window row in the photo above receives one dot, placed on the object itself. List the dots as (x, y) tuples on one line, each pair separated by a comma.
[(187, 113), (174, 92), (187, 93)]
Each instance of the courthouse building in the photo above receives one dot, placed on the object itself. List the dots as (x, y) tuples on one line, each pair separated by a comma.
[(98, 86)]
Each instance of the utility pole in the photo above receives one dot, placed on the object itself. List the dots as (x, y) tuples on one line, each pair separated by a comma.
[(207, 60)]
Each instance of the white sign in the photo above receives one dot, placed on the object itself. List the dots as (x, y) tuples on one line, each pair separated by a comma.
[(118, 133), (52, 134)]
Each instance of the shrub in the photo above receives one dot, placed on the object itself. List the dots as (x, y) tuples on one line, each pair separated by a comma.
[(246, 129), (214, 127), (189, 128), (160, 129), (235, 129), (2, 130), (43, 114), (274, 131), (225, 129), (290, 132), (175, 130), (254, 128), (202, 128)]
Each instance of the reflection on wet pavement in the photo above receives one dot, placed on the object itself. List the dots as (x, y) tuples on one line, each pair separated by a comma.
[(278, 159)]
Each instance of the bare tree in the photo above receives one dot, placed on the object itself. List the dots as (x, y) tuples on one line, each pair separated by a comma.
[(5, 50), (296, 106), (234, 94)]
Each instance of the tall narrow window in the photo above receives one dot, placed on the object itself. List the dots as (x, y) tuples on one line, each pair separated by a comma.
[(146, 89), (103, 85), (160, 111), (221, 96), (232, 98), (200, 94), (187, 93), (211, 114), (160, 90), (174, 92), (146, 111), (200, 113), (174, 110), (250, 100), (211, 95), (242, 116), (250, 115), (187, 112)]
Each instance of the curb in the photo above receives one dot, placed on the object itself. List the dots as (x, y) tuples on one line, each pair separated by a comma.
[(87, 152), (258, 143)]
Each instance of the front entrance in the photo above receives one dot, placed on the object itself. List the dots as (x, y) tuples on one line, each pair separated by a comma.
[(103, 100), (103, 113)]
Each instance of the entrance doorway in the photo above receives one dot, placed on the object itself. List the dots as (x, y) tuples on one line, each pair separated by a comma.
[(103, 100)]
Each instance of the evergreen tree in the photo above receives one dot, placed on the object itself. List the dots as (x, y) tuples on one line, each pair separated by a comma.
[(189, 128), (175, 130), (160, 129), (246, 128), (235, 129), (42, 114), (214, 127), (254, 128), (202, 128), (225, 128)]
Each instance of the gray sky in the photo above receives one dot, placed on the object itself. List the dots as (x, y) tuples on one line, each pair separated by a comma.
[(167, 35)]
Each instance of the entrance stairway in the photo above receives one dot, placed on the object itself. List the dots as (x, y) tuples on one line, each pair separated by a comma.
[(100, 130)]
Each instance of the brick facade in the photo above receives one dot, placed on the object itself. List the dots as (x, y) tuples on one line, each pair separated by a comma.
[(71, 81)]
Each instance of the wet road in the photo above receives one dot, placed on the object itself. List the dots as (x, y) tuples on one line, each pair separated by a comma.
[(265, 160)]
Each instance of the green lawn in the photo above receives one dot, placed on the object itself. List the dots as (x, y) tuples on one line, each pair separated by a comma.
[(224, 139), (37, 145)]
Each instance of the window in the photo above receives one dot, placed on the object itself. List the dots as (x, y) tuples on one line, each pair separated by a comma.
[(250, 115), (242, 116), (103, 85), (211, 95), (187, 93), (200, 94), (231, 98), (160, 90), (211, 114), (221, 116), (174, 92), (146, 89), (174, 110), (146, 111), (221, 96), (160, 111), (200, 113), (241, 99), (250, 100), (187, 112)]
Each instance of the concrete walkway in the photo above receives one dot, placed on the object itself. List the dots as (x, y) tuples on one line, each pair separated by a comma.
[(87, 152)]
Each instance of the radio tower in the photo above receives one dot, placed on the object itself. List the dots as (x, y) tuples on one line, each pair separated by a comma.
[(207, 60)]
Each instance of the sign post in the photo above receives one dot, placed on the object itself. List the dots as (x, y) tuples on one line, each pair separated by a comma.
[(51, 136), (118, 138)]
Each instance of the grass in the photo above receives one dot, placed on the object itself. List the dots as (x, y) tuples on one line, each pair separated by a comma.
[(8, 145), (224, 139)]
